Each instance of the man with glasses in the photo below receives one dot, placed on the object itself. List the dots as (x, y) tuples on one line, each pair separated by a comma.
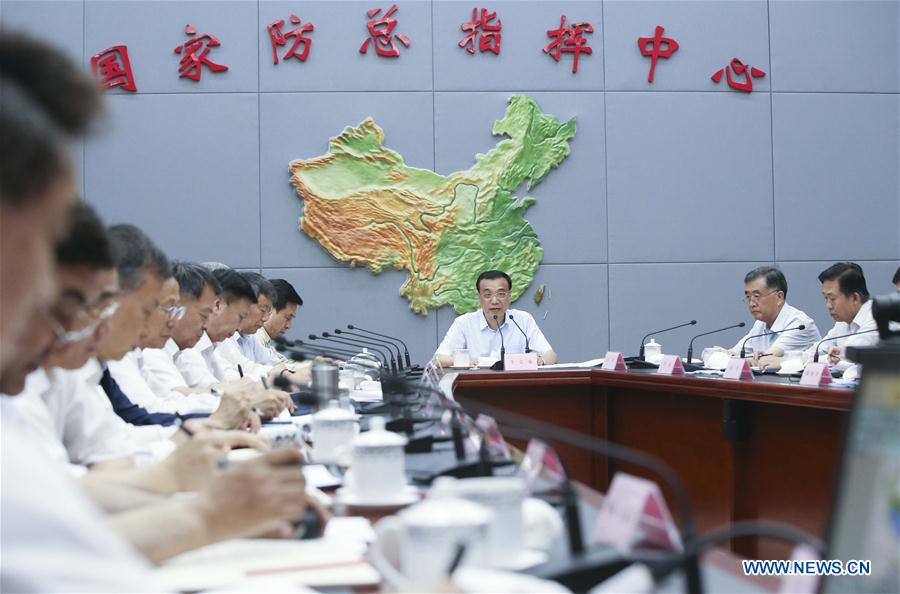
[(765, 293), (480, 332)]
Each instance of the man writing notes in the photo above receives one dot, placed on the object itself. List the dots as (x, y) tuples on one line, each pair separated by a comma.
[(765, 292), (480, 332)]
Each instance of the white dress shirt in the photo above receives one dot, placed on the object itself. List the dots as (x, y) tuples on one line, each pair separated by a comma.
[(201, 367), (89, 428), (471, 332), (793, 340), (35, 413), (252, 348), (128, 373), (230, 351), (53, 538), (266, 343), (863, 320), (160, 370)]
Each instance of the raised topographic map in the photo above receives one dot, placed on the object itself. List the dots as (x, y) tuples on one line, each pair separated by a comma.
[(364, 205)]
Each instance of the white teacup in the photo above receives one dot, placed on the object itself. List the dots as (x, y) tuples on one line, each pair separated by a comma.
[(333, 429), (416, 547), (503, 496), (461, 358), (377, 464)]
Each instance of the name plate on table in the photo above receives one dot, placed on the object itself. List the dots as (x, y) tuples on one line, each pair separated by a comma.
[(815, 374), (738, 369), (635, 513), (613, 361), (670, 365), (521, 362)]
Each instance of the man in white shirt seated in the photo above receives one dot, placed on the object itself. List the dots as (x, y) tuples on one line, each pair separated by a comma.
[(847, 300), (247, 340), (51, 536), (480, 332), (233, 350), (286, 303), (765, 292)]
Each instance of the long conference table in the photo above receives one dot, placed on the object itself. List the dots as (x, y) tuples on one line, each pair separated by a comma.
[(762, 449)]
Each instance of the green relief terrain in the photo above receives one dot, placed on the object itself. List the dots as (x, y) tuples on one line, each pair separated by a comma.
[(365, 206)]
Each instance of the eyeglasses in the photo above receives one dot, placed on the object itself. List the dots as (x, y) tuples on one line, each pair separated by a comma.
[(175, 312), (488, 296), (756, 297), (70, 336)]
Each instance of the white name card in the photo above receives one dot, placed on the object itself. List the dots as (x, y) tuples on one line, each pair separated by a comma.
[(521, 362), (635, 513), (613, 361), (815, 374), (738, 369), (670, 365)]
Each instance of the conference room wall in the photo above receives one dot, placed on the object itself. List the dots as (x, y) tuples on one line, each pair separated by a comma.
[(671, 191)]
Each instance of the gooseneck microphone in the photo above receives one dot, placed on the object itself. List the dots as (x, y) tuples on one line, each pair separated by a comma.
[(394, 338), (327, 337), (691, 345), (816, 354), (743, 348), (501, 364), (641, 352), (366, 341), (359, 344), (527, 348), (380, 341)]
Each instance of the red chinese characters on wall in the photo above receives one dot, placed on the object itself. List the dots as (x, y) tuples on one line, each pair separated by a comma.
[(569, 39), (489, 41), (195, 50), (652, 47), (113, 68), (381, 30), (739, 68), (278, 38)]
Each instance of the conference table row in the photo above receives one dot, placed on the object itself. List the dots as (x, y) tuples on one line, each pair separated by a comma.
[(762, 449)]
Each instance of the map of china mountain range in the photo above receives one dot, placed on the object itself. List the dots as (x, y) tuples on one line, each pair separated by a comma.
[(364, 205)]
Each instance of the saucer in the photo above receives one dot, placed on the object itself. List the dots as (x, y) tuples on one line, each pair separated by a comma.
[(526, 559), (408, 495)]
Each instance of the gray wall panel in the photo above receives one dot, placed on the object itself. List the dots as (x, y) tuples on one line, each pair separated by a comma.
[(153, 29), (837, 161), (709, 33), (169, 165), (334, 62), (522, 62), (58, 21), (647, 297), (836, 46), (689, 177)]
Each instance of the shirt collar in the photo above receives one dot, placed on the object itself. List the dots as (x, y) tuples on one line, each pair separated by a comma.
[(863, 315), (483, 323), (781, 321), (171, 347), (204, 342), (264, 336)]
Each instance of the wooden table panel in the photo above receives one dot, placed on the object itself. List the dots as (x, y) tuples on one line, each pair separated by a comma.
[(776, 460)]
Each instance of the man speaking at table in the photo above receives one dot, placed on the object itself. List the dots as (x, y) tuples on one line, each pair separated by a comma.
[(480, 332)]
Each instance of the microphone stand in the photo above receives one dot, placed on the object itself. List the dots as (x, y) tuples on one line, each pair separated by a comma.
[(365, 341), (501, 364), (405, 348), (527, 348), (381, 342), (640, 356), (691, 345), (744, 343), (816, 354)]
